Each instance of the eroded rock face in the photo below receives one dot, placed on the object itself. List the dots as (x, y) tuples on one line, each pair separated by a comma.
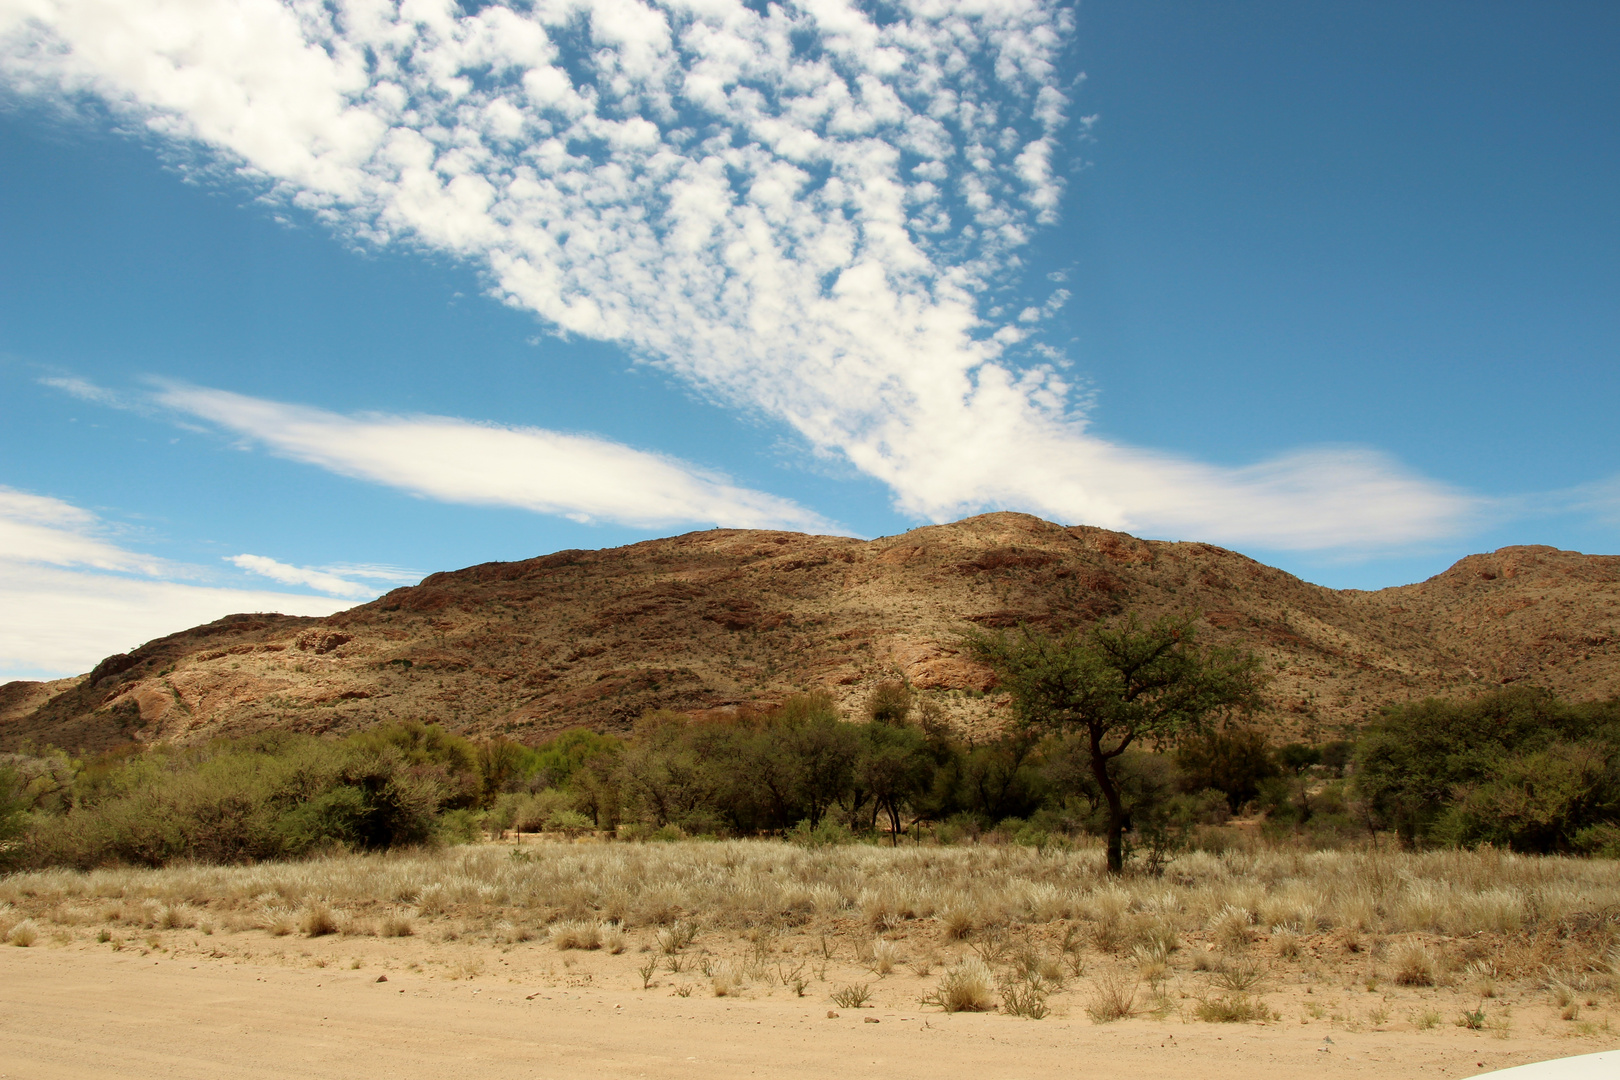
[(722, 619)]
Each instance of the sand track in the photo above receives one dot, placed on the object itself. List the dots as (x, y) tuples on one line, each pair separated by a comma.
[(79, 1013)]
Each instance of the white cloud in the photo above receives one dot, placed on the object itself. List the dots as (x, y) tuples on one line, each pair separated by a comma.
[(68, 602), (797, 209), (319, 580), (38, 529), (459, 461)]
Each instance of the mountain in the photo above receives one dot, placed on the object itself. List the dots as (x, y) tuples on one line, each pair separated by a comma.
[(726, 618)]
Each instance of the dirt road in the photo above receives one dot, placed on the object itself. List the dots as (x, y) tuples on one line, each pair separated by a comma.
[(67, 1012)]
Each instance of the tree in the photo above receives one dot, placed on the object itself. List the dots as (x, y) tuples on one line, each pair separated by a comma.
[(1235, 761), (1117, 685), (894, 767), (821, 750)]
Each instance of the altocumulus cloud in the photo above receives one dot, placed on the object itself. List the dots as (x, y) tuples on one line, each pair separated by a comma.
[(797, 209), (72, 595)]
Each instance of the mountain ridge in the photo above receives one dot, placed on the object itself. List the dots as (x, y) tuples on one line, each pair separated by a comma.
[(727, 618)]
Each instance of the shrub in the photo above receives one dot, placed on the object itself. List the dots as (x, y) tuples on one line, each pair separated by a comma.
[(1024, 1000), (1233, 1009), (1415, 964), (1516, 768), (854, 996), (969, 986), (1113, 997), (319, 921), (397, 926), (578, 934)]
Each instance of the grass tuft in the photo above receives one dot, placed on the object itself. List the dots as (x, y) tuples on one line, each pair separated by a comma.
[(854, 996), (969, 986), (1415, 964), (1113, 997), (319, 921), (1233, 1009), (576, 934)]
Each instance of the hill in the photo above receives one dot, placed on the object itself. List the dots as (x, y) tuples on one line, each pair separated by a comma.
[(725, 618)]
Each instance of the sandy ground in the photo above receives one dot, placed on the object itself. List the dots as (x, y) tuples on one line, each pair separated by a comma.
[(248, 1005)]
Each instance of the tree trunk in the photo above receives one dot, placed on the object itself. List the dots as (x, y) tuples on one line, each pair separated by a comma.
[(1116, 809)]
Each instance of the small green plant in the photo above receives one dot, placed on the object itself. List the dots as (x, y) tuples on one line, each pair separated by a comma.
[(646, 971), (1426, 1019), (683, 990), (853, 996), (1472, 1020), (103, 935)]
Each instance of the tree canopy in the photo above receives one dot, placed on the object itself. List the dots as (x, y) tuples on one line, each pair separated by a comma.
[(1118, 684)]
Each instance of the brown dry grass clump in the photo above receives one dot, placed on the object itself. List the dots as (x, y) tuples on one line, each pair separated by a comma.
[(967, 987)]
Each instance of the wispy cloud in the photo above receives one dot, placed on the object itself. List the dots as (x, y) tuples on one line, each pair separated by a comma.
[(797, 208), (40, 530), (72, 595), (583, 478), (319, 580)]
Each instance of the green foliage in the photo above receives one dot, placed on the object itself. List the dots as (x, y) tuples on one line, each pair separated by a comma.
[(240, 802), (1234, 760), (13, 806), (1117, 685), (1517, 768)]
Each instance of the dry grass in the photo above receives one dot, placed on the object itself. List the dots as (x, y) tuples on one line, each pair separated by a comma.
[(1233, 1009), (1415, 964), (965, 889), (577, 934), (318, 920), (969, 986), (1113, 996), (986, 927)]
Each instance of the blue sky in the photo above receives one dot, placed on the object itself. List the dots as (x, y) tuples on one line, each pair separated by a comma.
[(297, 306)]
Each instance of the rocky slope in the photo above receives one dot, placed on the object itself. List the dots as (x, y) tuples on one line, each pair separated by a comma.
[(718, 619)]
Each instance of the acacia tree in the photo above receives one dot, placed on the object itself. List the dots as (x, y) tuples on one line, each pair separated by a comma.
[(1117, 685)]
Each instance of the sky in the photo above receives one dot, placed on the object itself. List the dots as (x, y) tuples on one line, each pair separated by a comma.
[(301, 301)]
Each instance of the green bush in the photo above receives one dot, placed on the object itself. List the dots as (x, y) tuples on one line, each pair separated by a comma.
[(240, 802), (1518, 768)]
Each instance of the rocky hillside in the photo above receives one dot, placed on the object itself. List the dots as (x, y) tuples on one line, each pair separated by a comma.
[(718, 619)]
